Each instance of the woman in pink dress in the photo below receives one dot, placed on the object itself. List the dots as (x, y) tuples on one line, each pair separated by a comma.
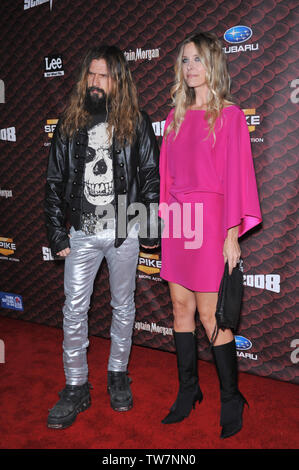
[(208, 199)]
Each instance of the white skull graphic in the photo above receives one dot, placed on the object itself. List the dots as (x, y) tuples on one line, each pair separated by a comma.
[(98, 187)]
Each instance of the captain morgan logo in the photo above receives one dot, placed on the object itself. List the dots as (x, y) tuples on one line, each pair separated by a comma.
[(142, 54)]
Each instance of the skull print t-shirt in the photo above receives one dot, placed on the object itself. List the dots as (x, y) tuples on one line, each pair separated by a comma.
[(98, 196)]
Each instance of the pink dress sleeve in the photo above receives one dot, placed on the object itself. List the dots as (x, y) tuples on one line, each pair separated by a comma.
[(241, 202), (165, 179)]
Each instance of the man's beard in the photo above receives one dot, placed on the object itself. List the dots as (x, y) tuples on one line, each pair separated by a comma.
[(94, 103)]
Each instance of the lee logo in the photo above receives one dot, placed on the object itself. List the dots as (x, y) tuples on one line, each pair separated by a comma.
[(53, 66)]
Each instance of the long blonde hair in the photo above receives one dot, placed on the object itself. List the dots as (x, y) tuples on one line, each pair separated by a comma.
[(217, 78), (124, 110)]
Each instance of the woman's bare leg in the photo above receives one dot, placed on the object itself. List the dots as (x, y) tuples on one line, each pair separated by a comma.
[(206, 305), (184, 307)]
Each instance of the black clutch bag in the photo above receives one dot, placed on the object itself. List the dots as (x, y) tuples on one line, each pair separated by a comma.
[(229, 300)]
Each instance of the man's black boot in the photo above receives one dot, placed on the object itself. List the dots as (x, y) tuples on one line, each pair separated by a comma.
[(120, 392), (73, 400)]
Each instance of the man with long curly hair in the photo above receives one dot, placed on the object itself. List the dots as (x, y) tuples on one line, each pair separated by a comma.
[(103, 160)]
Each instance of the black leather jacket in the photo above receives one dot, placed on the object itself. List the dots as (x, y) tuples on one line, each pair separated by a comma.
[(135, 173)]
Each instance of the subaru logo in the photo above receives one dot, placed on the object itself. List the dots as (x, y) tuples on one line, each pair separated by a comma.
[(242, 342), (237, 34)]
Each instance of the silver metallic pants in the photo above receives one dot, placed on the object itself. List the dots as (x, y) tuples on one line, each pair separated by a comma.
[(81, 267)]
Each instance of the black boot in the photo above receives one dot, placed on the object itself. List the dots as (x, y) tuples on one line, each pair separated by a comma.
[(120, 392), (232, 401), (73, 400), (189, 390)]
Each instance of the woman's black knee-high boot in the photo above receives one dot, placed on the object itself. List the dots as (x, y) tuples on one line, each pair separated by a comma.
[(189, 390), (232, 401)]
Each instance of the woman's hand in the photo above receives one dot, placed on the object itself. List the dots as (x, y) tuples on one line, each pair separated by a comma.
[(231, 248)]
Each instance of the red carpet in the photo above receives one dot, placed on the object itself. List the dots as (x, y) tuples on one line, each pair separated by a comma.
[(32, 375)]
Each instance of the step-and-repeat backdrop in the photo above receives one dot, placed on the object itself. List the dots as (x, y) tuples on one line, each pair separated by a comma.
[(42, 45)]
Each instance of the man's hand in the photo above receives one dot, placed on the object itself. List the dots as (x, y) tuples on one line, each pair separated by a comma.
[(64, 252)]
